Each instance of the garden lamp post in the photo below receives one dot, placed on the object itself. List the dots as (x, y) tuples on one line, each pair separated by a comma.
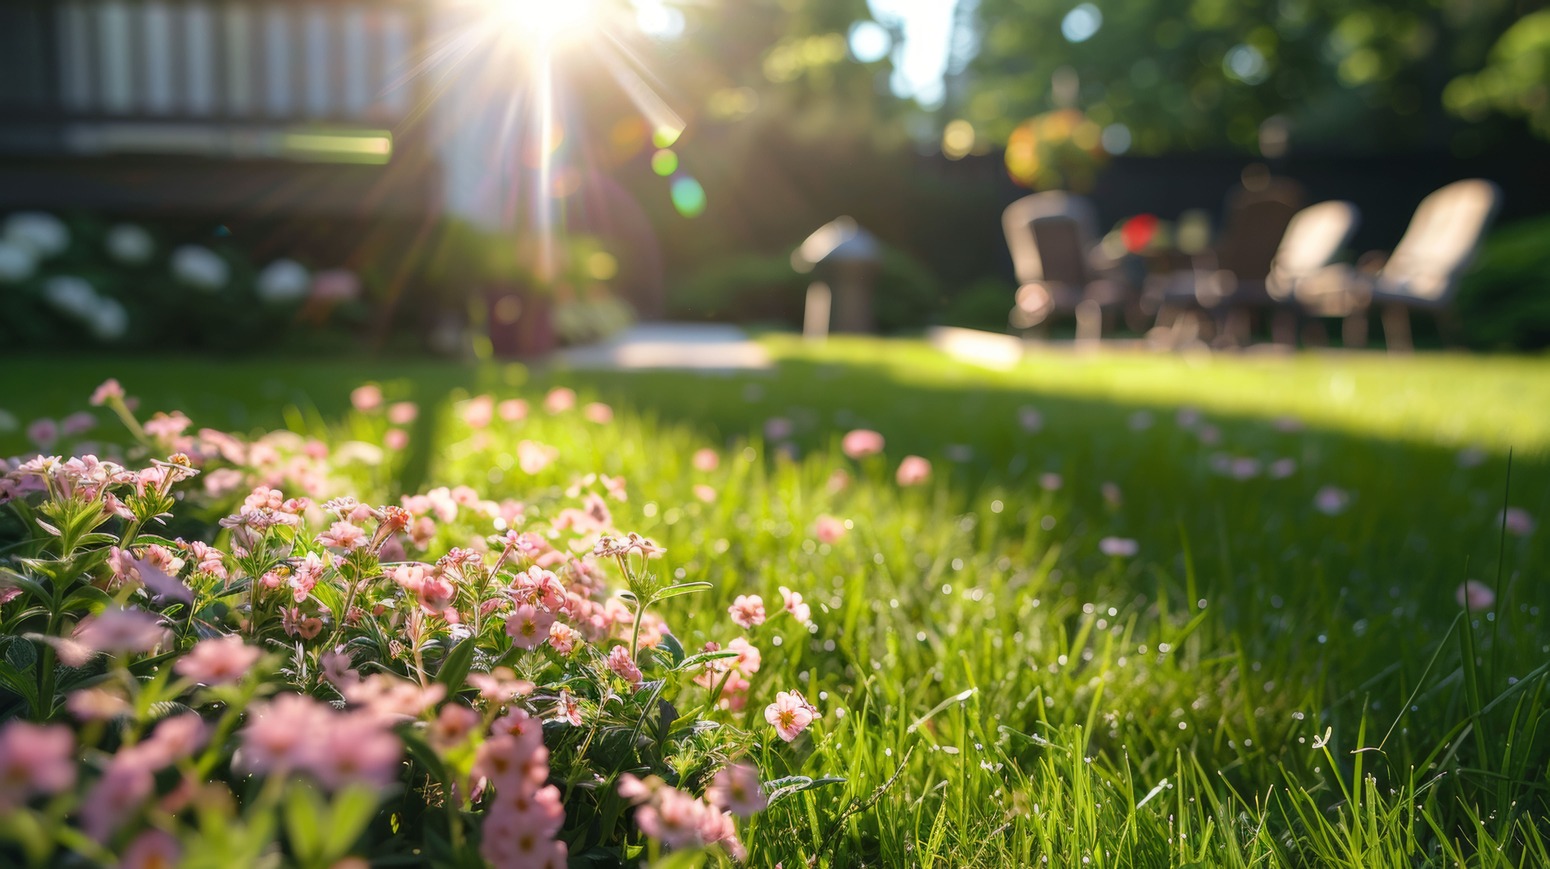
[(844, 260)]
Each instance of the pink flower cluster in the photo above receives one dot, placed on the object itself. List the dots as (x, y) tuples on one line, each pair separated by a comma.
[(524, 814), (294, 734), (680, 820)]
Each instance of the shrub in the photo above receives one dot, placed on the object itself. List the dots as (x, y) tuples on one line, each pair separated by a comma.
[(1504, 300), (316, 677)]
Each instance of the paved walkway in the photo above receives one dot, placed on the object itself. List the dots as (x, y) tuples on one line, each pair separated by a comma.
[(694, 346)]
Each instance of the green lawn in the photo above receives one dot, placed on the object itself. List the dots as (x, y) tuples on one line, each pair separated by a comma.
[(996, 690)]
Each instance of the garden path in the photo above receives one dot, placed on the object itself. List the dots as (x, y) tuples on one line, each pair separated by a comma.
[(698, 346)]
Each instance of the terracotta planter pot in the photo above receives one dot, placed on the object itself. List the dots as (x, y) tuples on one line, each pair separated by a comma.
[(521, 322)]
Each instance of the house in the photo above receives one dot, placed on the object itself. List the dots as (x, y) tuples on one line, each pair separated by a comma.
[(228, 108)]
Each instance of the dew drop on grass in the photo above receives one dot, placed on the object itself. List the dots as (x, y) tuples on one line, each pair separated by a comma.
[(1047, 523), (996, 506)]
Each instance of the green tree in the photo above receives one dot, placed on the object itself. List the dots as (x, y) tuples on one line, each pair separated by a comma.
[(1193, 74)]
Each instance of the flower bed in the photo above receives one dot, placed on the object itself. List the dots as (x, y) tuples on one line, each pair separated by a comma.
[(212, 650)]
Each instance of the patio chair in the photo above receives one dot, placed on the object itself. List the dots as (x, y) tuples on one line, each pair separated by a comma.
[(1228, 283), (1421, 274), (1313, 238), (1052, 238)]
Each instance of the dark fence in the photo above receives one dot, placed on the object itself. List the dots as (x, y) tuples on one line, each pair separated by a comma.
[(1386, 187)]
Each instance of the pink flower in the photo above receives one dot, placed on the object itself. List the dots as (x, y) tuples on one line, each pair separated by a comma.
[(777, 428), (96, 704), (43, 432), (706, 460), (125, 784), (560, 400), (533, 457), (568, 709), (736, 789), (34, 759), (1243, 468), (794, 605), (402, 412), (436, 593), (748, 657), (356, 748), (1050, 482), (343, 535), (790, 714), (218, 661), (281, 734), (120, 631), (747, 611), (913, 471), (77, 424), (152, 849), (299, 624), (528, 626), (705, 493), (672, 817), (1517, 521), (164, 426), (500, 685), (623, 665), (1331, 500), (109, 390), (478, 412), (514, 758), (598, 412), (829, 529), (512, 410), (1280, 469), (395, 439), (157, 581), (366, 398), (1475, 596), (1030, 419), (862, 442), (175, 738), (1112, 495), (563, 638), (453, 726), (1118, 547)]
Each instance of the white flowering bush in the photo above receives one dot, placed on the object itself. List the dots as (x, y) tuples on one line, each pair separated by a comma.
[(128, 285), (211, 652)]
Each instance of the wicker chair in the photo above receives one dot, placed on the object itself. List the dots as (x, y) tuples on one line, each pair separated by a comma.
[(1052, 238), (1421, 274)]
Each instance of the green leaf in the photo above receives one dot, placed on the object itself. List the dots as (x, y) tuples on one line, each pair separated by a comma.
[(424, 755), (686, 859), (86, 597), (693, 661), (354, 807), (455, 668), (790, 785), (304, 811), (19, 681), (673, 648), (12, 579), (680, 589)]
